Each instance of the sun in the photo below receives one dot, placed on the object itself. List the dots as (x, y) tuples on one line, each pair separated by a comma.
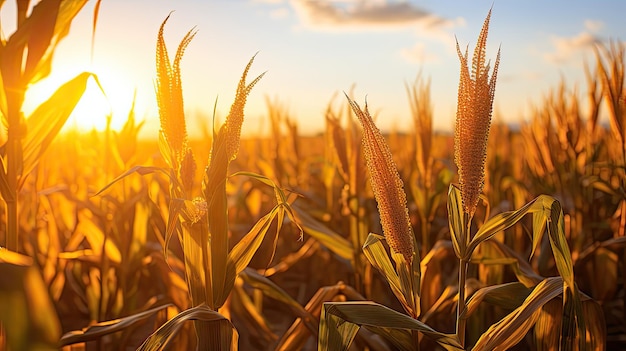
[(109, 98)]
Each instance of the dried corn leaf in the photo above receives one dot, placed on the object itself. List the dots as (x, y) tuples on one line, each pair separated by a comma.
[(326, 236), (340, 322), (403, 279), (98, 330), (223, 335)]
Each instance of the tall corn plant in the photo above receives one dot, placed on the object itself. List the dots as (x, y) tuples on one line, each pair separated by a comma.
[(341, 321), (201, 222), (25, 59), (428, 179)]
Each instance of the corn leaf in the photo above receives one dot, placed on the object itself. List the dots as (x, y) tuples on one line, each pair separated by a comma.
[(270, 289), (410, 276), (96, 238), (509, 296), (28, 316), (375, 252), (49, 117), (539, 207), (327, 237), (48, 23), (250, 314), (242, 253), (141, 170), (514, 327), (522, 269), (98, 330), (223, 335), (197, 256), (455, 215), (340, 322)]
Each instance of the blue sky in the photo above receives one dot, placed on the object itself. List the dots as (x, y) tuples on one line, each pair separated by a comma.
[(314, 50)]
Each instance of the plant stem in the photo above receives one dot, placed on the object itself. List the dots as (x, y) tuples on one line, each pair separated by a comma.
[(463, 263), (14, 163), (12, 229), (460, 311)]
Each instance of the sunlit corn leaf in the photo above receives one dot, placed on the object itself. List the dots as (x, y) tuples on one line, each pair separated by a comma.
[(520, 266), (250, 316), (40, 32), (508, 296), (596, 323), (551, 318), (376, 254), (49, 117), (540, 208), (410, 279), (223, 335), (547, 215), (281, 199), (340, 322), (295, 337), (5, 189), (141, 170), (96, 238), (140, 230), (434, 280), (455, 216), (326, 236), (548, 321), (511, 329), (28, 316), (98, 330), (270, 289), (242, 253), (197, 255)]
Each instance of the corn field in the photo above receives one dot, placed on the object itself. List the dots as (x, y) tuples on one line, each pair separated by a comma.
[(490, 238)]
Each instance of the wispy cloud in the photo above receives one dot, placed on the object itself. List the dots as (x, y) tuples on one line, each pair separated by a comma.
[(572, 47), (377, 15), (418, 54), (363, 14)]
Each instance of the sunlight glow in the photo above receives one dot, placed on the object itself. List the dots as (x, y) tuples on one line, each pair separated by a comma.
[(113, 101)]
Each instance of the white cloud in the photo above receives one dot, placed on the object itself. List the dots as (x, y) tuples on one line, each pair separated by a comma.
[(364, 14), (568, 48)]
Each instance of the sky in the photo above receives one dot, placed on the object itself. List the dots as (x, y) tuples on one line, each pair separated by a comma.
[(313, 51)]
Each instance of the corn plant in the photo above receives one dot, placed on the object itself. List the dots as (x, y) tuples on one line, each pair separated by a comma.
[(201, 222), (341, 321), (33, 42)]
